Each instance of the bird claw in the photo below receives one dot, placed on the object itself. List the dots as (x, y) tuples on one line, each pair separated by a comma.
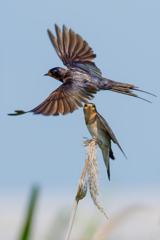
[(99, 142), (88, 141), (94, 139)]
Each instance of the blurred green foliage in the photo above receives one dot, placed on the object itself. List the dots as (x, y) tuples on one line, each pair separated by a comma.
[(93, 227), (25, 234)]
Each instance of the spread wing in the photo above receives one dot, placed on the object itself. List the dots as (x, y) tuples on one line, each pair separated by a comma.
[(65, 99), (74, 51), (109, 130)]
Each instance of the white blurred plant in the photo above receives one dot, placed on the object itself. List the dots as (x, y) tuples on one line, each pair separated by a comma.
[(92, 170)]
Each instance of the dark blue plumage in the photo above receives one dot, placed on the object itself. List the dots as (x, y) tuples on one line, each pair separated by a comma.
[(81, 79)]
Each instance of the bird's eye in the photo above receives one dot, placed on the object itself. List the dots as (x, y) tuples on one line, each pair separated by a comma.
[(56, 74)]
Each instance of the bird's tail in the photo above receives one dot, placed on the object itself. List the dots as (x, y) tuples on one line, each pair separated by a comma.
[(123, 88)]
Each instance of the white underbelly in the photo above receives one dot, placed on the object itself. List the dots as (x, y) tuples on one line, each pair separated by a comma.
[(93, 131), (99, 134)]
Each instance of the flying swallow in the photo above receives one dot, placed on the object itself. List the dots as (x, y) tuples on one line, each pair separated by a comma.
[(80, 80), (101, 132)]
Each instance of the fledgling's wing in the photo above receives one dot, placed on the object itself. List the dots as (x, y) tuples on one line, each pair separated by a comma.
[(105, 153), (109, 130), (74, 51), (65, 99)]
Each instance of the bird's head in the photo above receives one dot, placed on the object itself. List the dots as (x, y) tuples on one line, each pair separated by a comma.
[(57, 73), (89, 108)]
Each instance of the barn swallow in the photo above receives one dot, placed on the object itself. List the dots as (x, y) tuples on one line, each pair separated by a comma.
[(81, 79), (101, 132)]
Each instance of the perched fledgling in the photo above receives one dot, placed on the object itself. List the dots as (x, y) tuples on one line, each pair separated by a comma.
[(81, 79), (101, 132)]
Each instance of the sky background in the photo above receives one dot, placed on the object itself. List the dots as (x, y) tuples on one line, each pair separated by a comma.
[(47, 151)]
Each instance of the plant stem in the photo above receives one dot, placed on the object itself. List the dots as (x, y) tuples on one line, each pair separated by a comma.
[(81, 193), (72, 219)]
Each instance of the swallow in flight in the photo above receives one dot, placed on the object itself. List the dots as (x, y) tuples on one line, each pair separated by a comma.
[(80, 80), (101, 132)]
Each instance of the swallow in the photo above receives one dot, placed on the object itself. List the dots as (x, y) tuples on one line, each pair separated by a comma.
[(101, 132), (80, 81)]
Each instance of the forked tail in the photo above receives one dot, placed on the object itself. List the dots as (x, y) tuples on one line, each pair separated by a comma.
[(123, 88)]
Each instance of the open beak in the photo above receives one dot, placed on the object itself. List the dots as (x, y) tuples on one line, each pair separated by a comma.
[(89, 108)]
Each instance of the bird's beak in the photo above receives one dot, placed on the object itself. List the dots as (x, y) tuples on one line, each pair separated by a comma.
[(87, 107), (46, 74)]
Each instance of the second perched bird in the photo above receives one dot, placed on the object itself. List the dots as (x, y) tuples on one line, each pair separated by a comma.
[(101, 132), (80, 81)]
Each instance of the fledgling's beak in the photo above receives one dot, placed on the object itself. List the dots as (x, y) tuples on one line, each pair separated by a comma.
[(88, 107), (46, 74)]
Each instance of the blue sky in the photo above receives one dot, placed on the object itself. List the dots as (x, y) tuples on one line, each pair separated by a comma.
[(47, 150)]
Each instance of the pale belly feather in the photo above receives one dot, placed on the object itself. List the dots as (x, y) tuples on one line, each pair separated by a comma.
[(99, 134)]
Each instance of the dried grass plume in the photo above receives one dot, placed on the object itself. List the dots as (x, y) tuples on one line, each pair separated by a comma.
[(93, 172)]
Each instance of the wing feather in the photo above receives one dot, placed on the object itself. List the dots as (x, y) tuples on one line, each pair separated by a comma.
[(66, 107), (109, 130), (65, 99), (79, 45), (72, 42), (54, 42), (61, 106), (65, 40), (72, 49), (59, 39), (105, 153)]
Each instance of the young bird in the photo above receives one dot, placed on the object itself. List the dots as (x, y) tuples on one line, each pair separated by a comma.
[(100, 131)]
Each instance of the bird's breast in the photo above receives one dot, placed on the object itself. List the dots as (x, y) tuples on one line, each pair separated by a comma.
[(93, 130), (99, 134)]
